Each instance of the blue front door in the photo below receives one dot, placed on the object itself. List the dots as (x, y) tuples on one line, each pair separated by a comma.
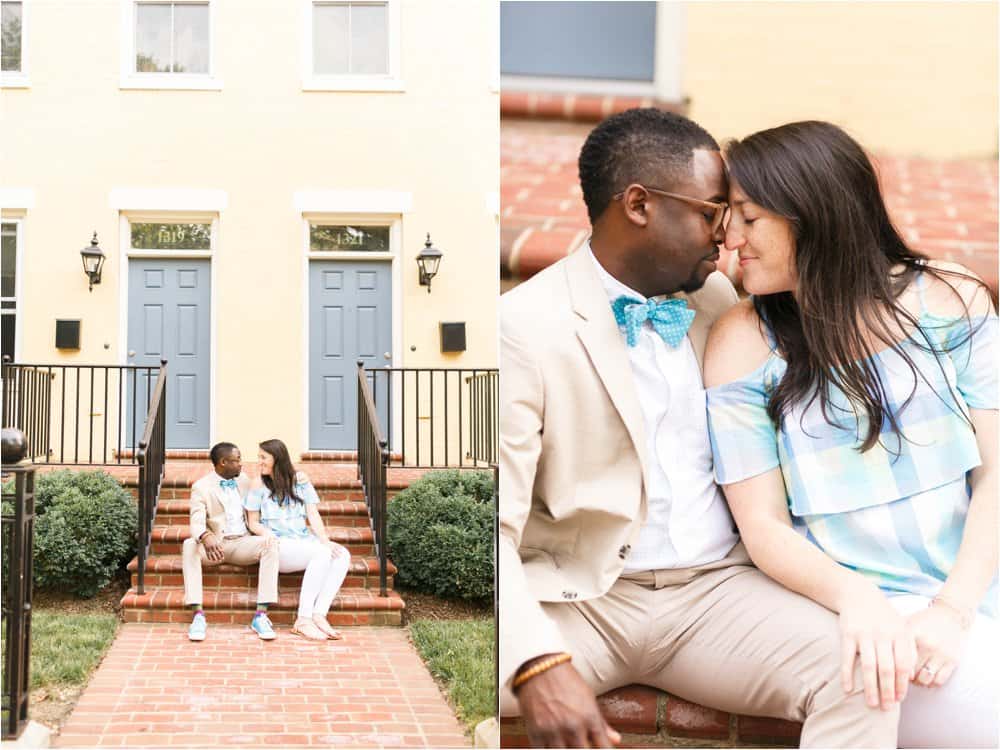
[(169, 318), (350, 319)]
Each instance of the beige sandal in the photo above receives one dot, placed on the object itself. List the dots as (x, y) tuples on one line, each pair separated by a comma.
[(308, 630), (324, 626)]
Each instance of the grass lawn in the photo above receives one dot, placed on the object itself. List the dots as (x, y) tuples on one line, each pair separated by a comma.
[(65, 649), (460, 654)]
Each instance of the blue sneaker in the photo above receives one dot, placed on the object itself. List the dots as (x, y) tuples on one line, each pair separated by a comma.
[(261, 625), (198, 627)]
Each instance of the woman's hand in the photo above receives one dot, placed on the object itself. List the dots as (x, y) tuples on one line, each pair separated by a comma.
[(940, 637), (871, 628), (336, 550)]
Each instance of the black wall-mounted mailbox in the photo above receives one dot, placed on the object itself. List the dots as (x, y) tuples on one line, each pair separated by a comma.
[(67, 334), (453, 337)]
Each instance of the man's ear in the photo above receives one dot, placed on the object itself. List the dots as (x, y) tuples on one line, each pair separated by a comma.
[(634, 203)]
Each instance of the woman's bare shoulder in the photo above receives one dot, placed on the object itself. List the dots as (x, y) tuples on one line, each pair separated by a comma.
[(954, 290), (737, 345)]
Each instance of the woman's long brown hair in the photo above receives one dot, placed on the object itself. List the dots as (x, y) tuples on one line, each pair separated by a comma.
[(848, 258), (281, 483)]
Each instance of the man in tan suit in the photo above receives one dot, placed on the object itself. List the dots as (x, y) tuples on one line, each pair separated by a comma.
[(219, 534), (619, 561)]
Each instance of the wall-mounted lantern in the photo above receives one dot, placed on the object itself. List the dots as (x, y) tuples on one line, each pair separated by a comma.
[(428, 260), (93, 262)]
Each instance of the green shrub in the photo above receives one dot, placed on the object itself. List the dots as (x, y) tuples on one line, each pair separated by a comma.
[(85, 529), (440, 533)]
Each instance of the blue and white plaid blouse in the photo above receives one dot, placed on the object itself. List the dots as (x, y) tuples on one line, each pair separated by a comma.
[(896, 512), (285, 520)]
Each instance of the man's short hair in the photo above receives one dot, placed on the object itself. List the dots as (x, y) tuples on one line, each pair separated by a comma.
[(220, 450), (638, 145)]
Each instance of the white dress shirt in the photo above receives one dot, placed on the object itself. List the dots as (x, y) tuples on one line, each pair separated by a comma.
[(687, 521), (233, 503)]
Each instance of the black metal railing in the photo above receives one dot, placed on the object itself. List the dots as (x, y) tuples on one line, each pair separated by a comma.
[(78, 414), (151, 457), (18, 533), (436, 418), (27, 400), (373, 463)]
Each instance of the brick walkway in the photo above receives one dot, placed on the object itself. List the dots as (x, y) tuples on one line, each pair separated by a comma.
[(157, 689), (947, 209)]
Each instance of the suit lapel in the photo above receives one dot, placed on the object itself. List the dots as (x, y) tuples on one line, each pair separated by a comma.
[(605, 345)]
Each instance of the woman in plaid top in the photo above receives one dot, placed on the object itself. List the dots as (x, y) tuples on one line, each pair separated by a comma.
[(853, 415), (283, 503)]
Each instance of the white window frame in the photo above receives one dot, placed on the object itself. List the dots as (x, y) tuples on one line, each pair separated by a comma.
[(131, 79), (394, 256), (125, 219), (667, 67), (20, 79), (18, 222), (389, 82)]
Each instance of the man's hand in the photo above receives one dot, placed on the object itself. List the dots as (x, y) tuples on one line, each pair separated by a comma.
[(560, 710), (213, 548)]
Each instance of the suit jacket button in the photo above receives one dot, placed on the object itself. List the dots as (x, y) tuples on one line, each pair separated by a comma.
[(623, 551), (569, 594)]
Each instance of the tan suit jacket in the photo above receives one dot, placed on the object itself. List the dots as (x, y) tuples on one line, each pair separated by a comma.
[(207, 510), (572, 447)]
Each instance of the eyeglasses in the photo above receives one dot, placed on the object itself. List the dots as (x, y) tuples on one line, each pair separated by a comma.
[(719, 210)]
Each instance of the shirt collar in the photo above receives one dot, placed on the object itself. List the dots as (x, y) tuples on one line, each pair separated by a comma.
[(612, 286)]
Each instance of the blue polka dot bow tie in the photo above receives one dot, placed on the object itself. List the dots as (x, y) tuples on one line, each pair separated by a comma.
[(228, 483), (670, 318)]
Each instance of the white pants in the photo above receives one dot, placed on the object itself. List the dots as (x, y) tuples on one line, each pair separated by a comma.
[(963, 711), (323, 572)]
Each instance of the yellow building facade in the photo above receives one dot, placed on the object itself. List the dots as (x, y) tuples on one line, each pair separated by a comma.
[(909, 78), (261, 176)]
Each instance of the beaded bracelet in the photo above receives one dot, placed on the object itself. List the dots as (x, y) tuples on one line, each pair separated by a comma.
[(964, 616), (537, 669)]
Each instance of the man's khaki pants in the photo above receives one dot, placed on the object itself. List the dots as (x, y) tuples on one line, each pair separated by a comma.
[(242, 550), (726, 636)]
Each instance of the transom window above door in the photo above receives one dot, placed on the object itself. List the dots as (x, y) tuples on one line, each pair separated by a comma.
[(170, 236), (348, 238)]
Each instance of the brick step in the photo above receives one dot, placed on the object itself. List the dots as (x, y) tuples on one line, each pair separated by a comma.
[(167, 540), (168, 572), (201, 456), (341, 457), (333, 494), (648, 717), (233, 606), (334, 512)]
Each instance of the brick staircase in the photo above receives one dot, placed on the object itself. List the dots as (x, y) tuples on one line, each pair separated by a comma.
[(647, 717), (230, 590)]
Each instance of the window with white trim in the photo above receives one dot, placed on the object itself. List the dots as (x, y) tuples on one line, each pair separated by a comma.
[(171, 37), (168, 44), (8, 288), (11, 21), (350, 38), (352, 45)]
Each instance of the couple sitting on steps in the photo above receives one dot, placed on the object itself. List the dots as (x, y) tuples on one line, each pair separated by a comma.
[(273, 520)]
